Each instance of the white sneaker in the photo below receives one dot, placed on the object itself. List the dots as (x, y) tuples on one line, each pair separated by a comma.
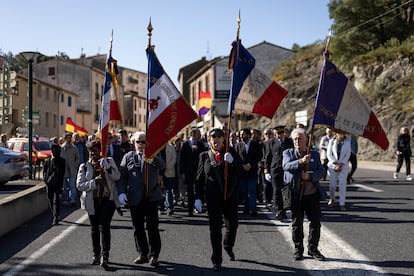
[(409, 177), (395, 175)]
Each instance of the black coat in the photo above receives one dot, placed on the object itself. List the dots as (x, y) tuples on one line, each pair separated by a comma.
[(210, 177), (274, 154), (189, 158), (54, 172), (254, 156)]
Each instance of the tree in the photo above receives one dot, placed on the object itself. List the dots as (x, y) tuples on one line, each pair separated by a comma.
[(361, 26)]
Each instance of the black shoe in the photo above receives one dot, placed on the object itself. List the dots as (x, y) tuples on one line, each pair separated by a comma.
[(298, 256), (104, 262), (55, 222), (120, 212), (95, 260), (316, 255), (154, 262), (231, 254), (216, 267), (254, 213)]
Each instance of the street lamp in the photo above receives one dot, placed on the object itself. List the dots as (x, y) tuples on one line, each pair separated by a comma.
[(30, 57)]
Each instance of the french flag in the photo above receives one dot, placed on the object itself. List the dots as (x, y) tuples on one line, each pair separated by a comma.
[(252, 90), (340, 106), (167, 110)]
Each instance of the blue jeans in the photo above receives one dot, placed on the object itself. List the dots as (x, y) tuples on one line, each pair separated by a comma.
[(248, 191), (69, 189), (169, 184)]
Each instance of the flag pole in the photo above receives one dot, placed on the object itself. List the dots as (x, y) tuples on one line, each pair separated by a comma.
[(146, 177), (226, 166)]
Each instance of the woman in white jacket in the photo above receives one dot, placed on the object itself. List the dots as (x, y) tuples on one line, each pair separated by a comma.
[(96, 180), (339, 150)]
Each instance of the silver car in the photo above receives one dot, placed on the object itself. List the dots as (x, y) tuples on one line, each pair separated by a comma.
[(13, 165)]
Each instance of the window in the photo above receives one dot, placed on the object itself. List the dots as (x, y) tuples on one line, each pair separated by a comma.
[(54, 120), (207, 83), (47, 119), (39, 91), (69, 100), (62, 98), (47, 93), (61, 120), (51, 71), (97, 95)]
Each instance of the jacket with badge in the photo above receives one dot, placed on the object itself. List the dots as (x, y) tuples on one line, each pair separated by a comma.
[(210, 176), (132, 182), (86, 183)]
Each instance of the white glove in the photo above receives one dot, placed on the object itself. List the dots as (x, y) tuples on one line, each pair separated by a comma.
[(122, 198), (228, 157), (198, 205), (105, 163), (268, 177)]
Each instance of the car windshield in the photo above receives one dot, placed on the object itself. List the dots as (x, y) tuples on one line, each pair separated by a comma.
[(42, 145)]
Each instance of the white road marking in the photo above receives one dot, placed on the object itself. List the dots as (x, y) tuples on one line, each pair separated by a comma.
[(365, 187), (39, 253), (341, 258)]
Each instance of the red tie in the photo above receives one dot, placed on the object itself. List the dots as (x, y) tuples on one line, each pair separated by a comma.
[(218, 157)]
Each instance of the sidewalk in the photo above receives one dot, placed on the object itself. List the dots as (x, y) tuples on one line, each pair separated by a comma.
[(378, 165)]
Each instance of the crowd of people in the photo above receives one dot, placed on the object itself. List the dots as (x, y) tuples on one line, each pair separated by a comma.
[(203, 173)]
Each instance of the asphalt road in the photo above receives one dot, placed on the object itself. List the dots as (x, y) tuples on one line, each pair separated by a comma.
[(374, 237)]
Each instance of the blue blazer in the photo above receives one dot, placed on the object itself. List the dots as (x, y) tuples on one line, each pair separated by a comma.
[(292, 171)]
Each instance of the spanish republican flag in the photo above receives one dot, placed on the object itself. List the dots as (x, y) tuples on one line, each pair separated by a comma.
[(72, 127), (204, 102)]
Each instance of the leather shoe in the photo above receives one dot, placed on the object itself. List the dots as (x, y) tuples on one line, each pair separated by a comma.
[(104, 262), (231, 254), (298, 256), (95, 260), (331, 203), (141, 260), (216, 267), (154, 262), (316, 255)]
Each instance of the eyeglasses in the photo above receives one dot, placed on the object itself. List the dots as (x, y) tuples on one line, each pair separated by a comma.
[(140, 142), (217, 136), (268, 133)]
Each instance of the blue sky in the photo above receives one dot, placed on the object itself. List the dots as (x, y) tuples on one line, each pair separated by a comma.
[(184, 30)]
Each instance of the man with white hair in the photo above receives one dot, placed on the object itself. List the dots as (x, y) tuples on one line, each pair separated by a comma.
[(138, 186)]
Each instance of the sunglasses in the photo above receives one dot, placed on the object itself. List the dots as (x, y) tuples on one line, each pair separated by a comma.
[(140, 142)]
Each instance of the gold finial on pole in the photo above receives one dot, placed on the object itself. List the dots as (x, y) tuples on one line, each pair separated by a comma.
[(110, 41), (149, 28), (328, 40), (238, 26)]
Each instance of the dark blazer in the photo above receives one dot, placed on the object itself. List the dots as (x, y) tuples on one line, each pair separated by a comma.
[(273, 154), (292, 171), (254, 156), (189, 158), (132, 180), (210, 177), (54, 172)]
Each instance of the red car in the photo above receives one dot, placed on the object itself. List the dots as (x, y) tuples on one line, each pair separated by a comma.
[(41, 149)]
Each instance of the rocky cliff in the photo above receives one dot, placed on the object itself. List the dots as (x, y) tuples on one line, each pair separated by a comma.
[(386, 86)]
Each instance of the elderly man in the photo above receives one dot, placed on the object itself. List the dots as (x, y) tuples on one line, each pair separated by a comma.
[(303, 170)]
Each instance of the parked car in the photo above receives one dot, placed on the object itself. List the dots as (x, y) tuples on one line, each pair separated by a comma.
[(41, 149), (13, 165)]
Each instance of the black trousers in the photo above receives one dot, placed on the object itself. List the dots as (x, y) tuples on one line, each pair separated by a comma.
[(217, 209), (146, 211), (189, 182), (401, 159), (53, 197), (310, 204), (277, 184), (354, 164), (101, 226)]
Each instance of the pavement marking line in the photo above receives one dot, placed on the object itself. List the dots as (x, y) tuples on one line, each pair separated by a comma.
[(339, 254), (39, 253), (365, 187)]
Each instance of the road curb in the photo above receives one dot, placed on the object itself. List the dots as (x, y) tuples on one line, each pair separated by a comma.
[(18, 208)]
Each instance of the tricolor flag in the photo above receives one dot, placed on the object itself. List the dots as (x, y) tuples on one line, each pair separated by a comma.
[(251, 89), (109, 109), (204, 102), (340, 106), (167, 110), (72, 127)]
